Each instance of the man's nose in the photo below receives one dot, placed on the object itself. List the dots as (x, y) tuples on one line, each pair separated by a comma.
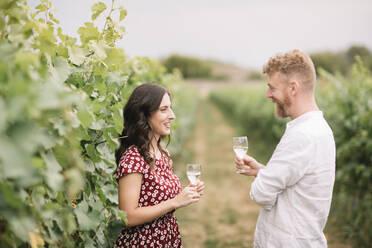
[(268, 94)]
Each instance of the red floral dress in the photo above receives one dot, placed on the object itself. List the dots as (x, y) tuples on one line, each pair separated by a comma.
[(159, 185)]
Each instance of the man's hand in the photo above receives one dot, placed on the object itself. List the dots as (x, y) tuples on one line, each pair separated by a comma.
[(248, 164)]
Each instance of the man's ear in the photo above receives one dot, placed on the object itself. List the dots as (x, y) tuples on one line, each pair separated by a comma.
[(294, 87)]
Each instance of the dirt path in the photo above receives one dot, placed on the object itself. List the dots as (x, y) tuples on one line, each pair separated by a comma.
[(226, 216)]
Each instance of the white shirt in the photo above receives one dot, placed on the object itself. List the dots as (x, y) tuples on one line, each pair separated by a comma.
[(294, 190)]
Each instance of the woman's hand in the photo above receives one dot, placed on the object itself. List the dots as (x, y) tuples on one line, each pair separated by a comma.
[(199, 187), (187, 196)]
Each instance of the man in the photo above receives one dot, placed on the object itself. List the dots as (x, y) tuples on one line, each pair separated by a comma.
[(294, 189)]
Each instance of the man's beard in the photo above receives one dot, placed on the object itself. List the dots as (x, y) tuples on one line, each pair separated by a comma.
[(281, 107)]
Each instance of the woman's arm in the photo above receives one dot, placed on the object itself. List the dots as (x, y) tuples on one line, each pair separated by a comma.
[(129, 193)]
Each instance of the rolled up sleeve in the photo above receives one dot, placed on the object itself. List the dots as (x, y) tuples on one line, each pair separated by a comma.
[(286, 167)]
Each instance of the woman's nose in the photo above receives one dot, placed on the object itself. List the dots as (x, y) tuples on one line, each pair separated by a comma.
[(172, 116)]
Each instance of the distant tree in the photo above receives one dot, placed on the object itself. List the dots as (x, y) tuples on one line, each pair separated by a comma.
[(332, 62), (190, 67), (363, 52), (255, 75)]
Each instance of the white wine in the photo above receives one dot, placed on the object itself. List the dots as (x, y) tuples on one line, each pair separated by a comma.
[(193, 176), (240, 147), (240, 151)]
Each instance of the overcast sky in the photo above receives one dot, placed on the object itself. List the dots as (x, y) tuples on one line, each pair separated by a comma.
[(242, 32)]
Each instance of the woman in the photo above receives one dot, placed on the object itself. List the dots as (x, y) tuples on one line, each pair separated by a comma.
[(149, 191)]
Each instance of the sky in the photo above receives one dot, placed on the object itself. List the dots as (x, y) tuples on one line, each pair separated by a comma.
[(241, 32)]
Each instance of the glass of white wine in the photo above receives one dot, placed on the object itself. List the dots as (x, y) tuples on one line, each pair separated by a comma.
[(193, 172), (240, 147)]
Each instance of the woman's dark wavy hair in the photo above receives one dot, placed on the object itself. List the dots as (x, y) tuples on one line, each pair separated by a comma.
[(144, 100)]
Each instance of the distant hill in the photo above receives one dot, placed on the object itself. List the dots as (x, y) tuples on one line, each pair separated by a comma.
[(234, 73), (209, 70)]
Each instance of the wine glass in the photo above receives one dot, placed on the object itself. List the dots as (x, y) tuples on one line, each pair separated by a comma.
[(240, 147), (193, 172)]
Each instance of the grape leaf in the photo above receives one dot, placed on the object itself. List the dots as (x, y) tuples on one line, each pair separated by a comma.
[(97, 9)]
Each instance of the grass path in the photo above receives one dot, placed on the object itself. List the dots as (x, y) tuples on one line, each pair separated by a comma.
[(226, 216)]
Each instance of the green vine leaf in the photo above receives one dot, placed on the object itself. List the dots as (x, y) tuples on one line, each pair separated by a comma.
[(88, 32), (97, 9), (52, 174), (86, 217), (123, 13), (76, 55)]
